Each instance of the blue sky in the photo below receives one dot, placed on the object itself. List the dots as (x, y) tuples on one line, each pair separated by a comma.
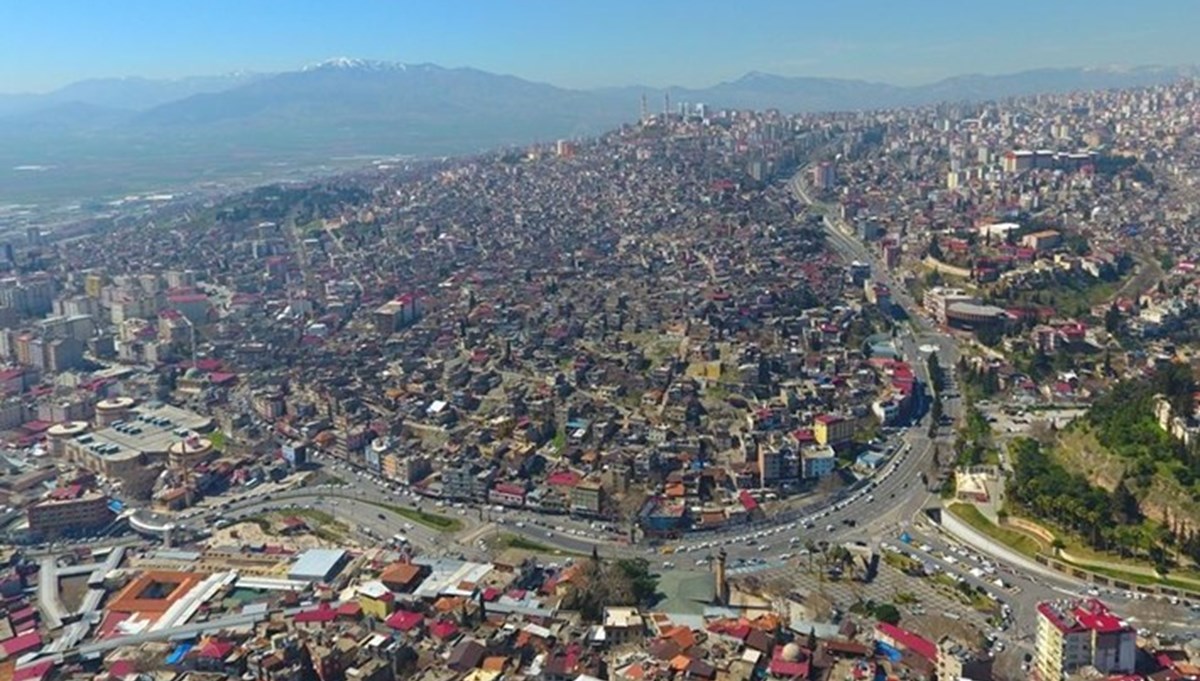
[(590, 43)]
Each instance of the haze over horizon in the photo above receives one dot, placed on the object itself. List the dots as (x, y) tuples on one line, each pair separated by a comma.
[(690, 44)]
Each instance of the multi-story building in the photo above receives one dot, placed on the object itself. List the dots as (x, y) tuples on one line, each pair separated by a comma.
[(507, 494), (68, 509), (938, 298), (1040, 241), (458, 480), (79, 327), (818, 462), (770, 465), (1072, 634), (957, 661), (831, 429), (824, 175), (587, 497), (396, 314), (195, 307)]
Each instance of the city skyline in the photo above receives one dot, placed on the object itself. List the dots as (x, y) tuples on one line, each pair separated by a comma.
[(693, 44)]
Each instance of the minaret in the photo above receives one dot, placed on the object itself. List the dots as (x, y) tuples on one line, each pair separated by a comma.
[(645, 111), (722, 590)]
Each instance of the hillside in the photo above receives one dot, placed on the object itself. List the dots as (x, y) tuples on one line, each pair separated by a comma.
[(1115, 478)]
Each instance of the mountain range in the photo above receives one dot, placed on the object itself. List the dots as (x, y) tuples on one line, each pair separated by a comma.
[(346, 107)]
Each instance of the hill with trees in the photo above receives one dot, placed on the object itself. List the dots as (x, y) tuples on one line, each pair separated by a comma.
[(1114, 478)]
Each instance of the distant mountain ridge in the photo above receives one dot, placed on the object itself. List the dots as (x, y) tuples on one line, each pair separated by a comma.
[(754, 90), (350, 107), (132, 93)]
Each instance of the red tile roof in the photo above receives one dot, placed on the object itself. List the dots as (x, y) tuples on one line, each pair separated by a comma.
[(907, 640), (322, 613), (18, 645), (747, 501), (33, 672), (567, 478), (443, 629), (403, 620)]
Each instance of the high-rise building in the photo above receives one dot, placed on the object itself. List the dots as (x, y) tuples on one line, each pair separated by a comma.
[(1072, 634), (824, 176)]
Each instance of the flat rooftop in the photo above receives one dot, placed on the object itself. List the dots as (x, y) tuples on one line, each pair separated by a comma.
[(150, 429)]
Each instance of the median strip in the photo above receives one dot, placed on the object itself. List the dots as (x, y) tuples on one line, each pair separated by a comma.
[(433, 521)]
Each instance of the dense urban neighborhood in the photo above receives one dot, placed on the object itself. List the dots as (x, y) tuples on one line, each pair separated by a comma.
[(719, 395)]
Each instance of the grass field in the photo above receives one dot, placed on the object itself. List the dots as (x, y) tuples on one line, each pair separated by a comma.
[(1017, 541), (434, 521), (513, 541)]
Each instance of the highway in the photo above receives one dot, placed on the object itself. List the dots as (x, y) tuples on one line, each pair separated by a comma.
[(1031, 584), (878, 510)]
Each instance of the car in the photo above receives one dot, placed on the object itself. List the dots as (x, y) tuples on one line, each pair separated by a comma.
[(829, 528), (381, 516)]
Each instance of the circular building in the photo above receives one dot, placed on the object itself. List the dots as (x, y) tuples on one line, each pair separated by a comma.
[(187, 453), (113, 409), (58, 435)]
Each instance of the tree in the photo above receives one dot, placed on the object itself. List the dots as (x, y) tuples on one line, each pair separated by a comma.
[(642, 580), (1125, 504), (935, 249), (886, 612), (1112, 319), (934, 368)]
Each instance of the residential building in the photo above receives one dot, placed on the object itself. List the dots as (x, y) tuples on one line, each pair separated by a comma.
[(1072, 634), (587, 497), (831, 429), (818, 462)]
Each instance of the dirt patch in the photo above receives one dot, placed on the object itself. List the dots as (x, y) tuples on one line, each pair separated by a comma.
[(72, 590), (253, 533)]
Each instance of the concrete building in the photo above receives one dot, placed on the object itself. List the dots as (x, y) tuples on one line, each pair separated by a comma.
[(130, 450), (1072, 634), (831, 429), (68, 510), (939, 298), (824, 176), (956, 662), (396, 314), (770, 465), (587, 497), (1043, 240), (818, 462), (972, 316), (319, 565), (113, 409)]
